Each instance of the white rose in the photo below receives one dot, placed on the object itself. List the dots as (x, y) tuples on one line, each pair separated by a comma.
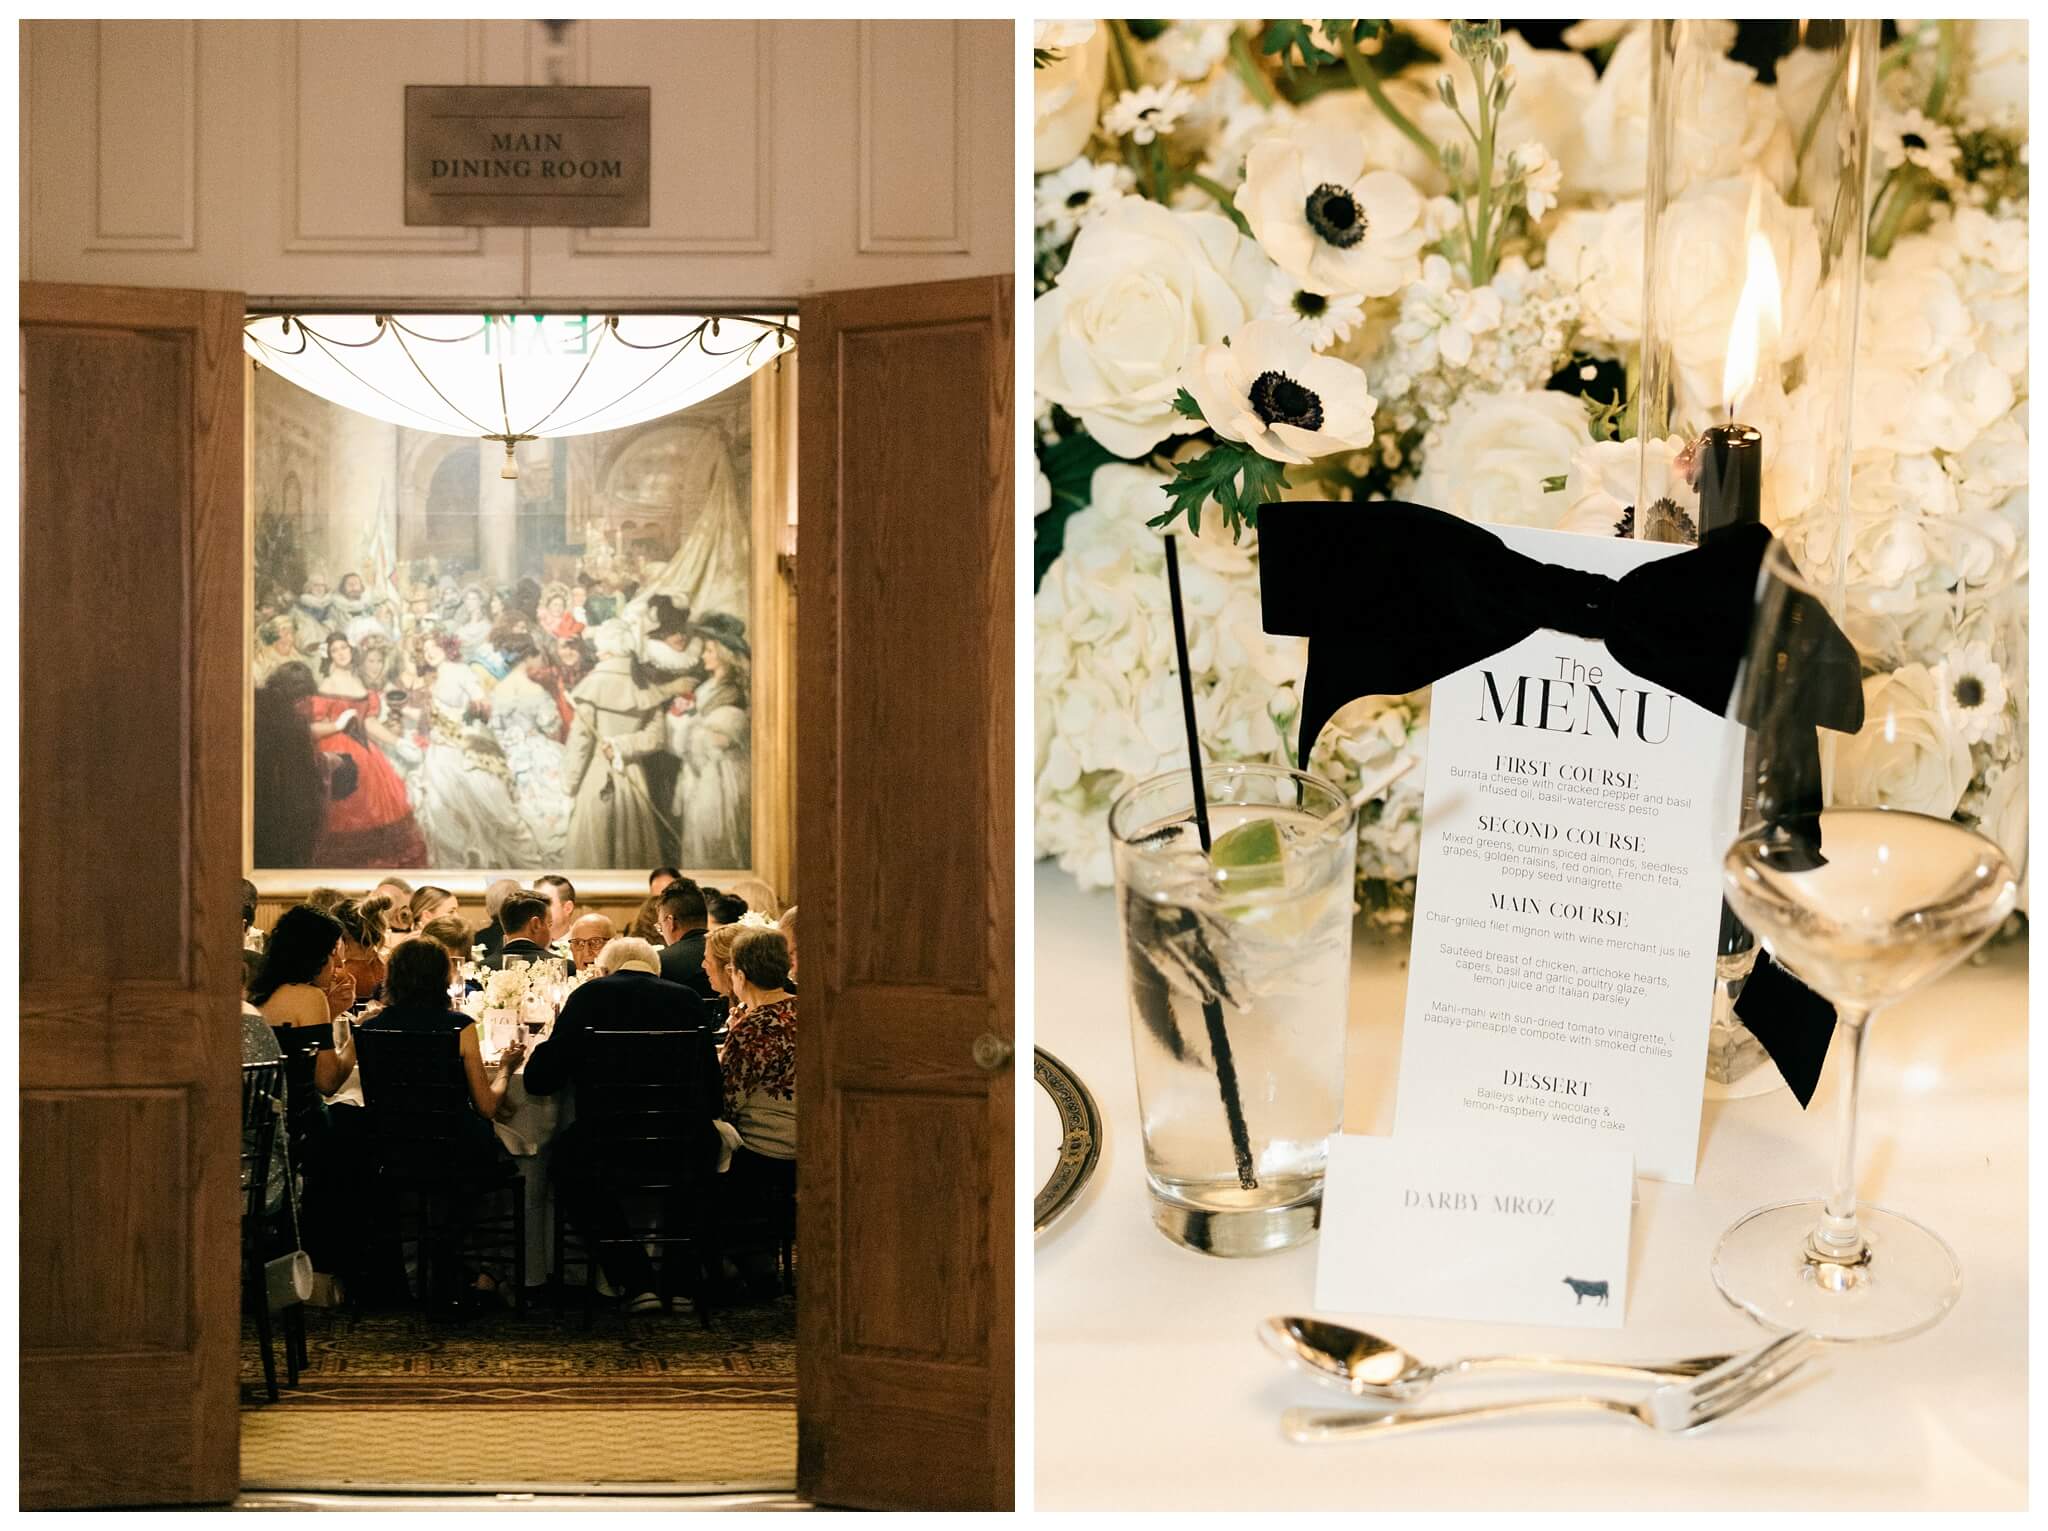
[(1730, 123), (1066, 95), (1705, 233), (1598, 256), (2002, 818), (1143, 290), (1906, 757), (1494, 452), (1995, 78)]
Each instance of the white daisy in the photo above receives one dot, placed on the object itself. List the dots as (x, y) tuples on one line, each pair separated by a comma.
[(1325, 219), (1268, 389), (1913, 138), (1061, 34), (1972, 689), (1069, 197), (1324, 318), (1541, 177), (1149, 112)]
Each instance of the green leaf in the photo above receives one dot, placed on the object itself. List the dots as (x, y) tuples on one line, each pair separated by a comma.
[(1040, 57), (1233, 475), (1184, 404), (1552, 485), (1070, 465), (1287, 38)]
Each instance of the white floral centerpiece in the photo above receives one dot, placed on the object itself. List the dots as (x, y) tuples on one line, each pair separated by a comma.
[(1356, 260)]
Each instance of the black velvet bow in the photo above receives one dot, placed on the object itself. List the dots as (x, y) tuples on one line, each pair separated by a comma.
[(1447, 593)]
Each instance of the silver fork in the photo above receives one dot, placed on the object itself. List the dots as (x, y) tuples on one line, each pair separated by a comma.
[(1676, 1408)]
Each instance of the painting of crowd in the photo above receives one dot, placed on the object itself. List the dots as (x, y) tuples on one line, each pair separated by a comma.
[(418, 716)]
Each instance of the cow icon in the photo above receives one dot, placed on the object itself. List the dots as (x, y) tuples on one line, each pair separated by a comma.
[(1581, 1290)]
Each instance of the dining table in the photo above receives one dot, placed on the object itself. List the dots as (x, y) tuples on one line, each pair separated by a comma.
[(1152, 1390), (527, 1125)]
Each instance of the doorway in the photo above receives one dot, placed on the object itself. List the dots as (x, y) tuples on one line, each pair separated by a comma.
[(904, 1008)]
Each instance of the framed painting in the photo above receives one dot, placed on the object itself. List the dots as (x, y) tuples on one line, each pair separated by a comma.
[(457, 675)]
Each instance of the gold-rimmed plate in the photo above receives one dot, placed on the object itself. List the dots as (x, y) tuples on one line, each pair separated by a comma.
[(1067, 1137)]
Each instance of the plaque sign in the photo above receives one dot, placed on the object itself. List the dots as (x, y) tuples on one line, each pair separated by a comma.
[(527, 156)]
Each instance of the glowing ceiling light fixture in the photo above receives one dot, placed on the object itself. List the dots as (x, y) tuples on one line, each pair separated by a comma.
[(514, 378)]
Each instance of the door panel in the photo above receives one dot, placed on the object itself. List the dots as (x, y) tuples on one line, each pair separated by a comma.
[(132, 669), (905, 844)]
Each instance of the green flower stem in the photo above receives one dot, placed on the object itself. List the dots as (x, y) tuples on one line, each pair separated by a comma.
[(1905, 197), (1483, 246), (1222, 198), (1944, 62), (1127, 72), (1248, 69), (1820, 110), (1363, 77), (1162, 186)]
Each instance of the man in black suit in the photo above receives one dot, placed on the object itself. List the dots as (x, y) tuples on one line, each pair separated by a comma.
[(681, 917), (631, 997), (525, 919)]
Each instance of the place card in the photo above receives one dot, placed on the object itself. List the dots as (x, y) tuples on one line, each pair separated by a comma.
[(1489, 1228), (1568, 894)]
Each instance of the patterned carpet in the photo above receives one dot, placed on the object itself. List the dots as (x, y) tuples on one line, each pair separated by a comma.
[(516, 1401)]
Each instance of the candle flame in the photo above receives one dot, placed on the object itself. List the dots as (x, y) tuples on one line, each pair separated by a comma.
[(1757, 316)]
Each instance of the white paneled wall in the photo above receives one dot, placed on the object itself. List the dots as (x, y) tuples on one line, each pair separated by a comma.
[(789, 157)]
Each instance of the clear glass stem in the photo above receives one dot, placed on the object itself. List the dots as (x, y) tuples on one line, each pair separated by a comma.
[(1838, 1239)]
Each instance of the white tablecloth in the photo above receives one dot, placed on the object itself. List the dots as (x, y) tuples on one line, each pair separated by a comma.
[(1152, 1392), (526, 1125)]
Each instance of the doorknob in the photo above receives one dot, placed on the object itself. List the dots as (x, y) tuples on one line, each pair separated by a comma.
[(991, 1052)]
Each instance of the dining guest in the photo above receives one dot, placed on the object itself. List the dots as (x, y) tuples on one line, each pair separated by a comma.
[(430, 903), (758, 1064), (682, 918), (524, 917), (628, 995), (787, 925), (417, 989), (759, 896), (646, 922), (298, 993), (492, 937), (362, 944), (561, 896), (450, 934), (397, 895), (325, 899), (660, 878), (252, 939), (587, 937), (718, 968), (723, 909)]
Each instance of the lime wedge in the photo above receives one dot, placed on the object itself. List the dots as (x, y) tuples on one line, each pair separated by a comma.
[(1249, 856)]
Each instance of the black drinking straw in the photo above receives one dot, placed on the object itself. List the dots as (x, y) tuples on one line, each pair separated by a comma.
[(1212, 1010)]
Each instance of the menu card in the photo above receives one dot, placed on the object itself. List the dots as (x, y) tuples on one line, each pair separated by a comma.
[(1568, 894)]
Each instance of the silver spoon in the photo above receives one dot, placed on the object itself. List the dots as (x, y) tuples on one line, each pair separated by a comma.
[(1366, 1366)]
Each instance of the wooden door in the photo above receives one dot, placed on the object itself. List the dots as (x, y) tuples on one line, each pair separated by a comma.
[(905, 568), (132, 653)]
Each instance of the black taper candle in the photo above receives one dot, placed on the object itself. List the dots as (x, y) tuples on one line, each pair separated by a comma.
[(1728, 472), (1212, 1009)]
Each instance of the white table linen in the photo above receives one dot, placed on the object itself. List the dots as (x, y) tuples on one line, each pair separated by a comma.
[(1151, 1391)]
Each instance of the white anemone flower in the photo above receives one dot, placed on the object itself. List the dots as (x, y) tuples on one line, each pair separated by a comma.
[(1325, 219), (1973, 692), (1149, 112), (1268, 389)]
